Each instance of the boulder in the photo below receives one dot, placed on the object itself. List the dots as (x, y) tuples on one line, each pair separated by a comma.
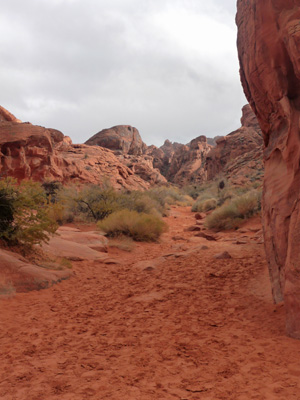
[(269, 49), (122, 138)]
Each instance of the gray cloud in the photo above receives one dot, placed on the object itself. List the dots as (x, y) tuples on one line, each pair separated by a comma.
[(168, 67)]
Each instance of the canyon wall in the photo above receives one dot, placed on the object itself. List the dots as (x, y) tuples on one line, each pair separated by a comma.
[(269, 54)]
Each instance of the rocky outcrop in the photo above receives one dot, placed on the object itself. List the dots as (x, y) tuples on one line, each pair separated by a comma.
[(182, 164), (269, 54), (122, 138), (238, 155), (127, 145), (187, 165), (30, 151), (7, 116)]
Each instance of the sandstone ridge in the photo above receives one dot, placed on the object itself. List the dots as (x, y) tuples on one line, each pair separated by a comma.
[(120, 156), (30, 151)]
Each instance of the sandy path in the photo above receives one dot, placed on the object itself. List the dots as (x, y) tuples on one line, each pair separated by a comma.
[(193, 327)]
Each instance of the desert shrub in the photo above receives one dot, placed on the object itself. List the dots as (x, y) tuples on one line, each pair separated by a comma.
[(51, 189), (193, 190), (124, 243), (140, 202), (88, 203), (24, 213), (204, 205), (96, 202), (167, 196), (230, 215), (140, 226)]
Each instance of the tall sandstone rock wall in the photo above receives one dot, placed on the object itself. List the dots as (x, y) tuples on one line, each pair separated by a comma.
[(269, 53)]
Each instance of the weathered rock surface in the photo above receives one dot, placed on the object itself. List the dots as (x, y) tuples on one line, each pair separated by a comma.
[(30, 151), (123, 138), (20, 276), (127, 145), (182, 164), (269, 53), (7, 116), (238, 155)]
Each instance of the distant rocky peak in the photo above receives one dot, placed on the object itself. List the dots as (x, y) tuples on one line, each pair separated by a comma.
[(7, 116), (248, 118), (122, 138)]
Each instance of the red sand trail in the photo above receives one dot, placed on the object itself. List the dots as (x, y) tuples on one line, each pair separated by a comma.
[(180, 325)]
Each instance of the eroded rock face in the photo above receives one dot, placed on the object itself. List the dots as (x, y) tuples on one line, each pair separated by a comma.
[(269, 53), (122, 138), (239, 154), (188, 162), (182, 164), (29, 151)]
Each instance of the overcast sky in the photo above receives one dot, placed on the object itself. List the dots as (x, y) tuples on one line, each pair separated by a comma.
[(167, 67)]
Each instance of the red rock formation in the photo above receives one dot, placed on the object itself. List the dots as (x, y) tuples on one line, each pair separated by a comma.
[(188, 162), (269, 54), (181, 164), (143, 167), (7, 116), (29, 151), (239, 154), (127, 145), (122, 138)]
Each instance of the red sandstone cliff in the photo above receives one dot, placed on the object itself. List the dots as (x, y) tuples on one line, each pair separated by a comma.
[(29, 151), (269, 54)]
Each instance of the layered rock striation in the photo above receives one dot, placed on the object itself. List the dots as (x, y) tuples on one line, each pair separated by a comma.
[(269, 54)]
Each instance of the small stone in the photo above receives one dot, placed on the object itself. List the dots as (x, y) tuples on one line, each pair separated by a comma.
[(193, 228), (148, 269), (222, 256), (206, 236), (178, 238), (200, 215)]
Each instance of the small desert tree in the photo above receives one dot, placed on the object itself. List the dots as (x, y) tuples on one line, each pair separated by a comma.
[(24, 213)]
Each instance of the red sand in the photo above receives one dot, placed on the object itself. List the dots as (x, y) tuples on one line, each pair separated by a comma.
[(193, 327)]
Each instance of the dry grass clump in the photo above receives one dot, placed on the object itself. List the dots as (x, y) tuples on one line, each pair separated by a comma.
[(124, 243), (6, 287), (231, 214), (166, 196), (140, 226), (204, 205)]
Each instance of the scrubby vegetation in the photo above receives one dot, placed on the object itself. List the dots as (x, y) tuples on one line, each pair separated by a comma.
[(232, 213), (139, 226), (212, 195), (25, 216), (29, 212), (94, 203)]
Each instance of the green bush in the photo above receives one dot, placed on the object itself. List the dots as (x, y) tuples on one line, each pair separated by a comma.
[(232, 214), (140, 226), (24, 213)]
